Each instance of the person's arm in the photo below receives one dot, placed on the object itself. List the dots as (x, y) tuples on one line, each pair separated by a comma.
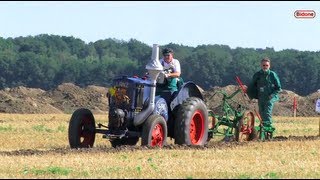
[(177, 68), (175, 74), (277, 85), (252, 87)]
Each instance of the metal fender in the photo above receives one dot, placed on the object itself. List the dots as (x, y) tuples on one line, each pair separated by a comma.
[(188, 89)]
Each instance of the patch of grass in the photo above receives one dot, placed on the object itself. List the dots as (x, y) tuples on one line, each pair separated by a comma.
[(61, 128), (307, 129), (6, 128), (124, 156), (244, 176), (139, 169), (84, 174), (41, 128), (55, 170), (285, 131), (271, 175), (174, 155), (113, 169)]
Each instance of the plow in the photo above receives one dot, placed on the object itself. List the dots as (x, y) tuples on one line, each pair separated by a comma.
[(237, 119)]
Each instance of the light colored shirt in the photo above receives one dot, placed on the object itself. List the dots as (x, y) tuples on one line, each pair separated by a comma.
[(175, 65)]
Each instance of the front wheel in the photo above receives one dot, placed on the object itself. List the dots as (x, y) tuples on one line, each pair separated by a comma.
[(191, 123), (81, 132), (154, 131)]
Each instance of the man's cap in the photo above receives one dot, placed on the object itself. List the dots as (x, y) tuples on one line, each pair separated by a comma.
[(167, 51)]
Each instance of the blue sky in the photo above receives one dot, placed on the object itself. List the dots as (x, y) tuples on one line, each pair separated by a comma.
[(245, 24)]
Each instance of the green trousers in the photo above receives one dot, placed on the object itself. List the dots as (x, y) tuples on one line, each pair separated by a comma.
[(170, 85), (265, 110)]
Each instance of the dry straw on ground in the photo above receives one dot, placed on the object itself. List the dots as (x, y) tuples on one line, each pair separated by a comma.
[(36, 146)]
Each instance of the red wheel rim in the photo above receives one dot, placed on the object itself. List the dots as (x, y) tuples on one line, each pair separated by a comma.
[(247, 126), (85, 135), (196, 127), (157, 135)]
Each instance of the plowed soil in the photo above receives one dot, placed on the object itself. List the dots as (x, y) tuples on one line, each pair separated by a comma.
[(68, 97)]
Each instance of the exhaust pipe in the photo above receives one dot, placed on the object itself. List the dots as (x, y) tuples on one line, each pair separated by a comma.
[(154, 67)]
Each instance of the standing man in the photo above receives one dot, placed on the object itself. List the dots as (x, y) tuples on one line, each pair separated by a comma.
[(265, 86), (172, 70)]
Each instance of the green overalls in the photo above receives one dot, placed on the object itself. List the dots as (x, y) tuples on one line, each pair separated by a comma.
[(262, 86), (171, 84)]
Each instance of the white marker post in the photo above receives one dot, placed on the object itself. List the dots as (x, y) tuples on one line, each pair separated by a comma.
[(318, 110)]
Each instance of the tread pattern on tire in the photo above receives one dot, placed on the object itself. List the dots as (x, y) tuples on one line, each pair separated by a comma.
[(74, 123), (148, 126), (183, 118)]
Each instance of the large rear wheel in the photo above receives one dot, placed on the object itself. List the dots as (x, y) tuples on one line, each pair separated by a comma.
[(191, 123), (81, 132), (154, 131)]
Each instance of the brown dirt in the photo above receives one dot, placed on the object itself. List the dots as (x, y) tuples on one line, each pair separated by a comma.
[(284, 107), (67, 97)]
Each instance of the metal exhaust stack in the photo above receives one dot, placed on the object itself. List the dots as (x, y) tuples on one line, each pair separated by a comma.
[(154, 68)]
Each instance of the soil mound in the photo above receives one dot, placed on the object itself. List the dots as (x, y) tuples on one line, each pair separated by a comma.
[(67, 97)]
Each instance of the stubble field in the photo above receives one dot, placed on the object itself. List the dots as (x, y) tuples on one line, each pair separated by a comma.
[(36, 146)]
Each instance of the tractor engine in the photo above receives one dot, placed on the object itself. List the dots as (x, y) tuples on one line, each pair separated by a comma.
[(127, 97)]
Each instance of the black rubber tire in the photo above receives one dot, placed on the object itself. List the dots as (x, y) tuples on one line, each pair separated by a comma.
[(245, 124), (81, 132), (191, 123), (124, 141), (154, 131)]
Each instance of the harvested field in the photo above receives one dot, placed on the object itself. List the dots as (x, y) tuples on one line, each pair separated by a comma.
[(36, 146)]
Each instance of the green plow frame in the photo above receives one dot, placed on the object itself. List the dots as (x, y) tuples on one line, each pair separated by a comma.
[(236, 121)]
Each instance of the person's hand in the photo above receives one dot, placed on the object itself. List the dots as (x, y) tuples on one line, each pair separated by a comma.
[(167, 75)]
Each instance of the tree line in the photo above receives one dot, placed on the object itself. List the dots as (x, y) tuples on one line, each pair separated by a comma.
[(46, 61)]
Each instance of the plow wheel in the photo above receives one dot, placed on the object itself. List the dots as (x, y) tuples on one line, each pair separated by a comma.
[(81, 132), (245, 130), (191, 124), (154, 131)]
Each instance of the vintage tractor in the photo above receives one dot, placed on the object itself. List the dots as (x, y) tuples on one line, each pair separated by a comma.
[(135, 111)]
